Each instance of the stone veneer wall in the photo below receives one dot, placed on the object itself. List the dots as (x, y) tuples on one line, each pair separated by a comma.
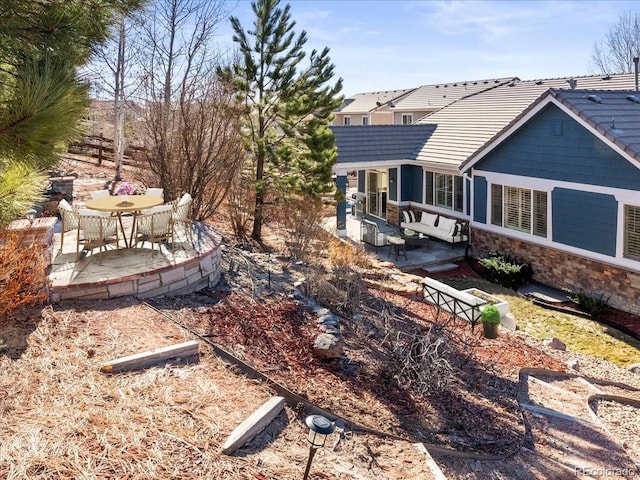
[(38, 230), (392, 214), (564, 270)]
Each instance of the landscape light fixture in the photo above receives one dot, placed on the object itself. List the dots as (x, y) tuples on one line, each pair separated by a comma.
[(319, 429)]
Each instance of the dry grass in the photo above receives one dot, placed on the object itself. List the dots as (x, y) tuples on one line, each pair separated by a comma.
[(61, 418)]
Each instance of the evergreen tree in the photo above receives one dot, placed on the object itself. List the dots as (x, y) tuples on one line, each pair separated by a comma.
[(42, 44), (288, 107)]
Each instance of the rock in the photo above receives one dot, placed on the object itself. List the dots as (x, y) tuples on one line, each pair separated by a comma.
[(554, 343), (328, 346), (635, 368), (329, 319), (329, 329), (574, 365)]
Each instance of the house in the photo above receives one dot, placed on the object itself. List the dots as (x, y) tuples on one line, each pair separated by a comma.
[(363, 108), (404, 107), (559, 188), (440, 178)]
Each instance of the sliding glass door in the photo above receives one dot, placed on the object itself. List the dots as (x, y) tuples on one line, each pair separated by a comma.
[(377, 183)]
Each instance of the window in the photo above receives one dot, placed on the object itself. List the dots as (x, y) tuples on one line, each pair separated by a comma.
[(519, 209), (407, 119), (632, 232), (347, 121), (365, 120), (444, 190)]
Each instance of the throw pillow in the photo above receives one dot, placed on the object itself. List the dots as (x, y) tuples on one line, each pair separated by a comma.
[(447, 224), (429, 218), (412, 215), (405, 215)]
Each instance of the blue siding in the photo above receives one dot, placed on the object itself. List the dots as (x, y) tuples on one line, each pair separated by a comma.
[(393, 184), (479, 199), (361, 181), (574, 156), (411, 183), (585, 220)]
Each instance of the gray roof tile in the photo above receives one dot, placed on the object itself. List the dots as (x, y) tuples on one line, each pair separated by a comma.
[(373, 143), (466, 125)]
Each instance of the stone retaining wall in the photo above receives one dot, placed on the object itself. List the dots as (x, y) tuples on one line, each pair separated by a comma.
[(566, 271)]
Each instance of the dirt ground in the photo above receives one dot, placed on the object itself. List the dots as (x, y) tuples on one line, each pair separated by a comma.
[(62, 418)]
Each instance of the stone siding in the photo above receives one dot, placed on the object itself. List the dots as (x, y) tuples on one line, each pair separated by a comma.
[(393, 213), (566, 271)]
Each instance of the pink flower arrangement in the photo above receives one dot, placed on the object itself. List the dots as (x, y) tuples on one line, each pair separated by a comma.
[(125, 188)]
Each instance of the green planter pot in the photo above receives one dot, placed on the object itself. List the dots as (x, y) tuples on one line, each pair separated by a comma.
[(490, 330)]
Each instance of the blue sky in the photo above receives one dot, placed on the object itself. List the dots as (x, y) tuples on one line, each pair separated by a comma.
[(385, 45)]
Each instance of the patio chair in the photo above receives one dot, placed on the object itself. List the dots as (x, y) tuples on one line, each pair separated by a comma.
[(180, 215), (155, 192), (370, 233), (155, 226), (99, 194), (98, 231), (69, 220)]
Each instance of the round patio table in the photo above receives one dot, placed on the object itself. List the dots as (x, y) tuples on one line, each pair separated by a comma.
[(119, 204)]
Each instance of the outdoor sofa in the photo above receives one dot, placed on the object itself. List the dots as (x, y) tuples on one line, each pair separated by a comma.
[(436, 226)]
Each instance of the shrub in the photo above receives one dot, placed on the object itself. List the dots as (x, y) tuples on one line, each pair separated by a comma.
[(23, 280), (592, 305), (502, 269), (490, 315)]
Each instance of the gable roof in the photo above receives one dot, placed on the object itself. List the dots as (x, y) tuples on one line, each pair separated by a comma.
[(362, 103), (613, 114), (432, 97), (373, 143), (468, 124)]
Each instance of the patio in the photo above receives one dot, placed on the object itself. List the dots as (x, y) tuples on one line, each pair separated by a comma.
[(134, 271), (437, 256)]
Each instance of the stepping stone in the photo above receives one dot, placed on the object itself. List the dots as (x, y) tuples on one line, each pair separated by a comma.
[(441, 267)]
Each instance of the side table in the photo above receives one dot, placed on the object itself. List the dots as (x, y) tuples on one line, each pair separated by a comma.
[(394, 244)]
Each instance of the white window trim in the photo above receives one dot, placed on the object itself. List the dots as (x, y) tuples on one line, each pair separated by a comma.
[(365, 120), (623, 197), (344, 120), (409, 115)]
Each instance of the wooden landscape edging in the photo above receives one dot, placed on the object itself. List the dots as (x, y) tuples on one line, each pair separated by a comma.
[(253, 425), (181, 353)]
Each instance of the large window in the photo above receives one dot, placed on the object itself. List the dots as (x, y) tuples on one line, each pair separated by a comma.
[(519, 209), (632, 232), (444, 190)]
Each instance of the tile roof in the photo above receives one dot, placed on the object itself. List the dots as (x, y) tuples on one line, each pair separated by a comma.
[(431, 97), (365, 102), (466, 125), (372, 143), (614, 114)]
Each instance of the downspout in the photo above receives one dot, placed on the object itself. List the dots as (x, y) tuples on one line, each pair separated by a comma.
[(635, 63)]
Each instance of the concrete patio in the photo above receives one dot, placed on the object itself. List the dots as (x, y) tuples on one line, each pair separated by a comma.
[(437, 256)]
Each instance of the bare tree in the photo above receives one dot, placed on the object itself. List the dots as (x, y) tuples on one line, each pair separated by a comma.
[(615, 53), (191, 117)]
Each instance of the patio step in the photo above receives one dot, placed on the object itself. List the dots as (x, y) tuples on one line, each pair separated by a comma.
[(440, 267)]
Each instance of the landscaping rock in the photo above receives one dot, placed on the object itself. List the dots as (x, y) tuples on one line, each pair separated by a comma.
[(329, 329), (554, 343), (328, 346), (574, 365), (509, 322), (329, 319), (635, 368)]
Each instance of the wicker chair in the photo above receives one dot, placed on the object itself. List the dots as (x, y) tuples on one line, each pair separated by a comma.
[(69, 220), (155, 192), (98, 231), (155, 226), (181, 210), (99, 194)]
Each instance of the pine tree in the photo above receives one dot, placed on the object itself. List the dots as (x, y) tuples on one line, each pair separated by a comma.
[(42, 44), (288, 107)]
